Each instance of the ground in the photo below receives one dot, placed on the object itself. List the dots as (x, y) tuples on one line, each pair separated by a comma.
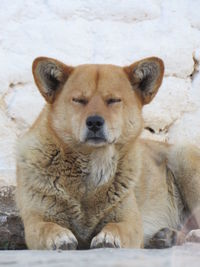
[(178, 256)]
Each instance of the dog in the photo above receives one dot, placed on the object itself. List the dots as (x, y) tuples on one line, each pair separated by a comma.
[(85, 178)]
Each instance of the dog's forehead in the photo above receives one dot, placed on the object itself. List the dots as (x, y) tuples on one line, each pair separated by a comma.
[(97, 77), (91, 69)]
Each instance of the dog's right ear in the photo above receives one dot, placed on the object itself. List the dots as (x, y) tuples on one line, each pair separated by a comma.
[(50, 75)]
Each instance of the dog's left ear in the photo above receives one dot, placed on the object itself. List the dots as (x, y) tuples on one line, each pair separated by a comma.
[(146, 77)]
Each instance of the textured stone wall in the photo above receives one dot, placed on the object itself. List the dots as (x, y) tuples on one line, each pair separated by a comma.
[(95, 31)]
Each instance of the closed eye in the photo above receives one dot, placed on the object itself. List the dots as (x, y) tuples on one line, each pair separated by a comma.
[(113, 101), (80, 100)]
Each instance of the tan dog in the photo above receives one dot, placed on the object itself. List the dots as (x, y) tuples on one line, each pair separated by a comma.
[(84, 177)]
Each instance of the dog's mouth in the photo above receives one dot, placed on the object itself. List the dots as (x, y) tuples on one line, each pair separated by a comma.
[(97, 138)]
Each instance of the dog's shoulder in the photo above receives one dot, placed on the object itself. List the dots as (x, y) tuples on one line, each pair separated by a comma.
[(155, 150), (37, 144)]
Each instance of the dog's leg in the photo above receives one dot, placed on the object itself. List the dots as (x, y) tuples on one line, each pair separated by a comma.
[(166, 238), (48, 235), (126, 233), (185, 164), (118, 235)]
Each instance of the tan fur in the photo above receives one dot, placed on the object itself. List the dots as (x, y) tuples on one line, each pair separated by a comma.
[(118, 193)]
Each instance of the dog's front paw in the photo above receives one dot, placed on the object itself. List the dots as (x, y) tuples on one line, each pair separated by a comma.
[(105, 240), (193, 236), (64, 240)]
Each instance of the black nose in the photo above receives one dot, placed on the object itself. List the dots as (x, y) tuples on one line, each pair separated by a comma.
[(94, 123)]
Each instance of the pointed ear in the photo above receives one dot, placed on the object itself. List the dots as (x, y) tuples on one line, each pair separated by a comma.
[(146, 77), (50, 75)]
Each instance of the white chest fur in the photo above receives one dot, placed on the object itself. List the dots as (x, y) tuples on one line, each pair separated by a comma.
[(102, 166)]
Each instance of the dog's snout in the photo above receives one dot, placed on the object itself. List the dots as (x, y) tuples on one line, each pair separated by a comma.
[(94, 123)]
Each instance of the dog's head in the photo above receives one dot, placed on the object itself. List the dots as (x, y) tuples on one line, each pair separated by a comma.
[(95, 105)]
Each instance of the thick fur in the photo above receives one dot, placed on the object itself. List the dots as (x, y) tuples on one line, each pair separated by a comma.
[(117, 193)]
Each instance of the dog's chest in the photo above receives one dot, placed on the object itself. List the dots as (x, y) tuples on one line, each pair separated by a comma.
[(80, 173), (89, 221), (80, 186), (85, 219), (101, 168)]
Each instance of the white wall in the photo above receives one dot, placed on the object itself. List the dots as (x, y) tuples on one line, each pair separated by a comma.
[(96, 31)]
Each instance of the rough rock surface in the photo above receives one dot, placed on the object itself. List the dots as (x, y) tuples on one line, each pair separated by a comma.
[(187, 255), (11, 227)]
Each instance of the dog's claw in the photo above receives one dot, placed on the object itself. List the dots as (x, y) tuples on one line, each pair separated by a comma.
[(62, 241), (105, 240)]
